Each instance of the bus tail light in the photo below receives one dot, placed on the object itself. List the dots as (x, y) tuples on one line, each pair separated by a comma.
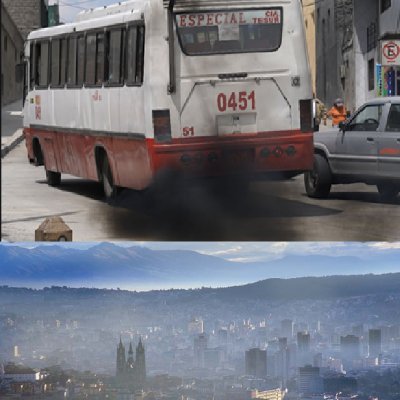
[(306, 115), (162, 126)]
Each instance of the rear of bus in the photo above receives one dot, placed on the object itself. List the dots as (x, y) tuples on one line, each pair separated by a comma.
[(243, 97)]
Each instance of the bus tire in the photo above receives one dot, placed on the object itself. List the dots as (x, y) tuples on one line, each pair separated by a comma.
[(318, 181), (37, 153), (53, 178), (388, 191), (110, 190)]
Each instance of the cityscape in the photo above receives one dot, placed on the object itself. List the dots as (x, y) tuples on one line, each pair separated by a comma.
[(327, 337)]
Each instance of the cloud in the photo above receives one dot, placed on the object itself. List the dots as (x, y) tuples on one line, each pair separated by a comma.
[(385, 246)]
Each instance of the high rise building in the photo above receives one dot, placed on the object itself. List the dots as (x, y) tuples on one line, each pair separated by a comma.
[(350, 347), (283, 361), (256, 362), (303, 342), (131, 372), (374, 342), (287, 328), (199, 348), (310, 381), (304, 355)]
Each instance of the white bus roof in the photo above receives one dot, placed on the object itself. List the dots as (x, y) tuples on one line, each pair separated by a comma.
[(96, 21), (118, 13)]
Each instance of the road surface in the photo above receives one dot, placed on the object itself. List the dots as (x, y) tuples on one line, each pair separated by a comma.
[(271, 211)]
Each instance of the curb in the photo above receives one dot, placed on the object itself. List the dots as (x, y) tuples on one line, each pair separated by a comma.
[(15, 139)]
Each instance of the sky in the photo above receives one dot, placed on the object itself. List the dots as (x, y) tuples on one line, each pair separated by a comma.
[(256, 251), (69, 8)]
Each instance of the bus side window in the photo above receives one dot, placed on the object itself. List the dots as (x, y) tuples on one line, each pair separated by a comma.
[(114, 57), (81, 60), (131, 46), (100, 54), (32, 66), (140, 55), (135, 55), (63, 62), (55, 62), (42, 64), (72, 42), (90, 59)]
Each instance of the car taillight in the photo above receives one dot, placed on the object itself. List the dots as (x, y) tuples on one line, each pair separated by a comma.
[(162, 126), (306, 115)]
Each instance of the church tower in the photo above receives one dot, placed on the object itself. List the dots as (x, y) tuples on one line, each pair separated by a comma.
[(121, 362), (130, 363), (140, 366), (131, 372)]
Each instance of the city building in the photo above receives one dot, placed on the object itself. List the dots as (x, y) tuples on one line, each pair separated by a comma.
[(310, 381), (304, 355), (27, 15), (357, 50), (256, 362), (287, 328), (131, 372), (350, 347), (12, 47), (333, 26), (196, 326), (18, 373), (374, 342), (303, 341), (199, 348)]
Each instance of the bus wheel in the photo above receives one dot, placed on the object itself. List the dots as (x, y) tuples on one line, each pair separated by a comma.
[(53, 178), (318, 182), (110, 190)]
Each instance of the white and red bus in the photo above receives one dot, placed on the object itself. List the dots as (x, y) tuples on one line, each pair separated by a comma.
[(205, 87)]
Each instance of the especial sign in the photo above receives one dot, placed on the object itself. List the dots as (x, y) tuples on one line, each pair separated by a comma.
[(229, 18)]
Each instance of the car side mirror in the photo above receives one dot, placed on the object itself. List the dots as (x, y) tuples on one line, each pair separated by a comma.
[(342, 126)]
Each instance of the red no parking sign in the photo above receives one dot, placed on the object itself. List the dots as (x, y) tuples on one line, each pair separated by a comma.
[(391, 52)]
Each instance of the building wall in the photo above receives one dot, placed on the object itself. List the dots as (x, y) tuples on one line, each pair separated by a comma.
[(334, 56), (309, 22), (365, 14), (389, 20), (12, 45), (27, 15)]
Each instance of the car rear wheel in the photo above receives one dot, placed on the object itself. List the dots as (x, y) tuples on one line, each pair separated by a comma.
[(388, 191), (318, 181)]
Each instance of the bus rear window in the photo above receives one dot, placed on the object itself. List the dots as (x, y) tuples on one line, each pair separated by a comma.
[(237, 31)]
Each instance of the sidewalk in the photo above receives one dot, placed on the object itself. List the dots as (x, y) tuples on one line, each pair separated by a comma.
[(11, 126)]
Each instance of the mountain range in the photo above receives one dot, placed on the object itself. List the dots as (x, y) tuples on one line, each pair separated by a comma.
[(140, 268)]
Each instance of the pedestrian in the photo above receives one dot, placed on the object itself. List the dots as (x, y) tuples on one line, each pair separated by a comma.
[(338, 112)]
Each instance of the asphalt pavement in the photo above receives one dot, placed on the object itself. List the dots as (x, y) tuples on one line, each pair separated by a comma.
[(271, 211)]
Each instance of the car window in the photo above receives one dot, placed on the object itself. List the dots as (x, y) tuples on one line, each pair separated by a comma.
[(367, 119), (393, 122)]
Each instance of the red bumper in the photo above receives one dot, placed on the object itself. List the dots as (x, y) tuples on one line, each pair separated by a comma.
[(213, 156)]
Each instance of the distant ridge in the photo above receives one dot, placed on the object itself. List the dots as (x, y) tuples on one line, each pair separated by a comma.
[(311, 288), (137, 268)]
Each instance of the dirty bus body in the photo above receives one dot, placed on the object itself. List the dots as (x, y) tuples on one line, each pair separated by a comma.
[(206, 87)]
